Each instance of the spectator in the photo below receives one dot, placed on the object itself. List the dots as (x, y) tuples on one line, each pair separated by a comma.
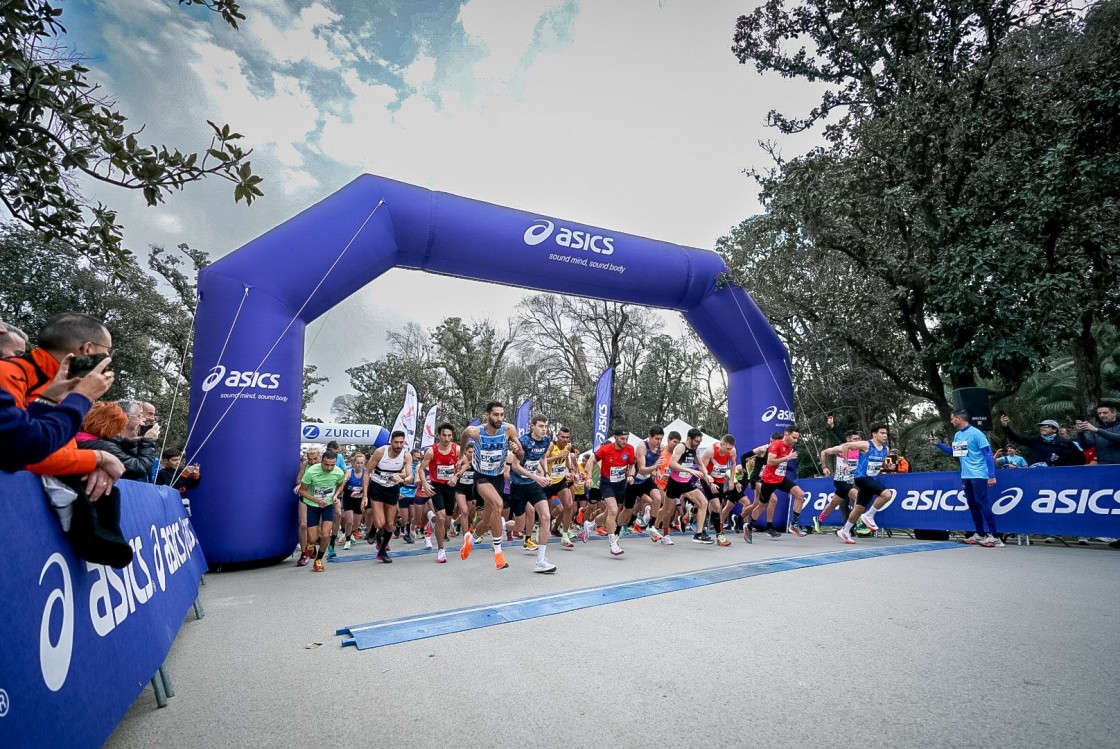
[(833, 435), (100, 431), (895, 463), (84, 495), (169, 474), (1047, 448), (13, 341), (30, 435), (1102, 435), (137, 453), (1009, 457)]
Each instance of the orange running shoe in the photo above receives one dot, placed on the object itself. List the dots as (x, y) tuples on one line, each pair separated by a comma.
[(318, 566), (468, 544), (500, 560)]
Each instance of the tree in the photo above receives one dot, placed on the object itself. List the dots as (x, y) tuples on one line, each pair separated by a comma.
[(311, 383), (58, 128), (918, 134), (473, 356)]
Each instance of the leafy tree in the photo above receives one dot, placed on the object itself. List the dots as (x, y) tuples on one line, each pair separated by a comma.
[(473, 356), (311, 383), (58, 128)]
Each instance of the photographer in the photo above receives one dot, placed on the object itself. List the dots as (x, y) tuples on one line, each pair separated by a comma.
[(138, 453), (1103, 434)]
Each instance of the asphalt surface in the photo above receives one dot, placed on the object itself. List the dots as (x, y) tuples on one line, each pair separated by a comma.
[(948, 648)]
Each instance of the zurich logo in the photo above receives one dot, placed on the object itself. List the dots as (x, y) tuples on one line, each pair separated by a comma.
[(769, 413), (540, 230), (1007, 501), (311, 431), (212, 379)]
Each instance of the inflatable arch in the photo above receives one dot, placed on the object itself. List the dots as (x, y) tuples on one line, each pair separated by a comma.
[(255, 302)]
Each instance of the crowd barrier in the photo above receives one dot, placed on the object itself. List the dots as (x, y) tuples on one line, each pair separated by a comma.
[(79, 641), (1076, 501)]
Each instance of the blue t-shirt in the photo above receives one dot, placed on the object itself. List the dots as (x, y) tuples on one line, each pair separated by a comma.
[(968, 447), (534, 453), (1015, 461)]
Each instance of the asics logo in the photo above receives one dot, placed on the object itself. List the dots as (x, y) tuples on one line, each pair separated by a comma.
[(540, 230), (212, 379), (573, 239)]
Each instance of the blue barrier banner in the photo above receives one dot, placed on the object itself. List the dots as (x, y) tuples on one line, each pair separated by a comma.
[(1074, 501), (79, 641)]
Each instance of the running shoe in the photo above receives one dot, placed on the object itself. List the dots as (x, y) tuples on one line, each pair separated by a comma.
[(427, 542), (665, 540), (817, 524), (973, 540), (701, 538), (408, 539), (722, 540), (356, 536), (748, 533), (428, 529), (566, 541), (845, 536), (989, 541), (654, 534), (346, 546), (544, 566), (582, 534), (318, 566), (530, 545), (500, 562), (304, 557), (579, 516), (861, 529), (600, 530), (468, 544), (623, 531), (441, 556), (774, 533), (616, 550), (796, 531), (637, 528), (554, 533), (384, 557), (331, 553), (371, 538), (870, 523)]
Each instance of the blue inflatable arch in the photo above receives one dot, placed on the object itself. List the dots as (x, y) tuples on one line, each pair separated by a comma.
[(255, 302)]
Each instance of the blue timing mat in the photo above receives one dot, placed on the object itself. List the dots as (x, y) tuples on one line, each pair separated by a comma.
[(409, 628)]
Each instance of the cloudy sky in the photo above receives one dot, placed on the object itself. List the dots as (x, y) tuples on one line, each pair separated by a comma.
[(632, 115)]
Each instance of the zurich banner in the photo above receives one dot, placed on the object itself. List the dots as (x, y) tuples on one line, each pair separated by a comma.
[(602, 430), (344, 434), (79, 641), (1076, 501)]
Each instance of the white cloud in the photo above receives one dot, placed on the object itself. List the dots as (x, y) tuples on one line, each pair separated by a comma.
[(292, 39)]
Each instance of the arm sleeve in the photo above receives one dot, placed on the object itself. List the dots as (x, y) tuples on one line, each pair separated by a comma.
[(27, 437), (947, 449), (1021, 439), (1101, 435), (986, 451)]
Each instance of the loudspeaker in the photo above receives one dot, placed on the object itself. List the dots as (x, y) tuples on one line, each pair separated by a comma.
[(978, 404)]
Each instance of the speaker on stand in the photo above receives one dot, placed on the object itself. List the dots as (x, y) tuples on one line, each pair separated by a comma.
[(978, 404)]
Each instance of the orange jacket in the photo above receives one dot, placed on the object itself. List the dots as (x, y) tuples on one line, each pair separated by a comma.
[(26, 377)]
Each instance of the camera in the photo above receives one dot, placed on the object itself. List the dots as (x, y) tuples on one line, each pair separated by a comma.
[(80, 366)]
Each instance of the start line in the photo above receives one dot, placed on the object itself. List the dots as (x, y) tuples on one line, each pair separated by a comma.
[(422, 626)]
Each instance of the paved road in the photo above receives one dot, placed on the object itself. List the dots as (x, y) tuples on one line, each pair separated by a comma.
[(956, 648)]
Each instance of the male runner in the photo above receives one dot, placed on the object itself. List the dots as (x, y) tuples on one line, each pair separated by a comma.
[(527, 482), (668, 512), (319, 488), (615, 459), (843, 490), (686, 469), (870, 494), (779, 455), (437, 470), (560, 466), (646, 457), (390, 468), (494, 440), (719, 461)]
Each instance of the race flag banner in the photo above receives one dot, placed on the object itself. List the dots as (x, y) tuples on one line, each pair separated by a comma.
[(603, 407), (406, 419), (428, 438), (78, 641), (523, 417)]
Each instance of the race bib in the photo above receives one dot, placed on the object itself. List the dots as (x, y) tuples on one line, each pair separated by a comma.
[(444, 473), (874, 468), (960, 449), (618, 473), (467, 478), (531, 465), (385, 479), (719, 471), (559, 470), (323, 492), (780, 469), (356, 491), (490, 460)]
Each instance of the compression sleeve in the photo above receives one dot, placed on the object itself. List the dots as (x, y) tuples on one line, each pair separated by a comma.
[(986, 451)]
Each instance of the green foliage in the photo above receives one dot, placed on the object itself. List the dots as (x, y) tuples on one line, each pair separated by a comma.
[(311, 383), (57, 126)]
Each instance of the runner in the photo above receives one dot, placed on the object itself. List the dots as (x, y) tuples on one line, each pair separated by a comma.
[(594, 496), (870, 494), (780, 454), (527, 489), (493, 441), (352, 498), (978, 474), (391, 467), (719, 461), (465, 499), (686, 469), (843, 490), (668, 510), (319, 489), (615, 459), (313, 456), (560, 466), (647, 456), (437, 471)]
